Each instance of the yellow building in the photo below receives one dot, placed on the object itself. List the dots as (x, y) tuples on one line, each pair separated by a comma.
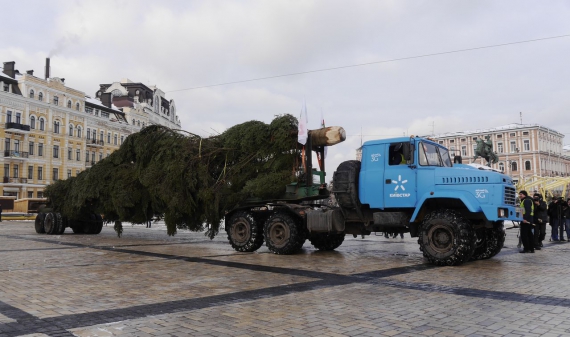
[(51, 131)]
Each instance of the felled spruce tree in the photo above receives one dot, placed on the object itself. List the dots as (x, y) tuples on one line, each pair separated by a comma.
[(188, 181)]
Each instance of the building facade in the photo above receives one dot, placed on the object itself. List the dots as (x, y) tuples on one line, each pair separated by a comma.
[(524, 150), (50, 131)]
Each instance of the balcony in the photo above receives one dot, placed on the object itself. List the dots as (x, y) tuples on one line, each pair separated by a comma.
[(15, 154), (17, 127), (14, 180), (95, 143)]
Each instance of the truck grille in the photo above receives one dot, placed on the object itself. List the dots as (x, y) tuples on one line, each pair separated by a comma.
[(464, 180), (510, 195)]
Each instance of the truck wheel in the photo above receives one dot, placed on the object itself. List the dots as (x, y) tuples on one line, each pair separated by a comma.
[(489, 242), (244, 233), (446, 238), (345, 184), (50, 223), (283, 234), (39, 223), (60, 224), (327, 241), (98, 225)]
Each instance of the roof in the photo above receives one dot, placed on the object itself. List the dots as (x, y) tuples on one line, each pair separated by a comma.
[(512, 126)]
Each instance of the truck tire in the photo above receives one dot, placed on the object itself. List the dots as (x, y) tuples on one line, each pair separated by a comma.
[(88, 224), (283, 234), (244, 232), (39, 223), (60, 224), (327, 241), (345, 184), (446, 238), (97, 227), (489, 242), (51, 226)]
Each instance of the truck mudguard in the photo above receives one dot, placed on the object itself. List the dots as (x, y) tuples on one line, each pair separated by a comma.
[(467, 198)]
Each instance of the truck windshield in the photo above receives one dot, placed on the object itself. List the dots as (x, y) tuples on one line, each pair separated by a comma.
[(445, 158), (428, 155)]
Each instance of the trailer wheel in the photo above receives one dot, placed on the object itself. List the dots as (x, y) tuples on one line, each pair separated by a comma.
[(345, 183), (446, 238), (98, 225), (327, 241), (39, 223), (60, 224), (244, 232), (283, 234), (50, 223)]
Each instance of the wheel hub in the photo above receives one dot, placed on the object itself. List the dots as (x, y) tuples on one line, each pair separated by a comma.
[(241, 231), (441, 238), (279, 234)]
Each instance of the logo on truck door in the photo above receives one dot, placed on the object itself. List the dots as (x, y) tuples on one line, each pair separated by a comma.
[(399, 187)]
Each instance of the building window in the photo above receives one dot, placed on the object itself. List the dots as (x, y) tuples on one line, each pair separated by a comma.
[(18, 118), (526, 145), (30, 172), (134, 123), (55, 100), (513, 146), (499, 136), (68, 174), (9, 116), (104, 114), (88, 133), (69, 104), (76, 173), (56, 151), (100, 156), (16, 171), (514, 166), (101, 136), (6, 170), (86, 156), (527, 165), (31, 149), (40, 97), (40, 175), (77, 106), (94, 135), (513, 134), (500, 147), (55, 174), (89, 110), (78, 155), (42, 124), (32, 122), (502, 167), (40, 149), (525, 133), (464, 150), (40, 194), (108, 138), (6, 87), (32, 93), (69, 153), (79, 131), (93, 157), (122, 138), (115, 139), (30, 194), (56, 127)]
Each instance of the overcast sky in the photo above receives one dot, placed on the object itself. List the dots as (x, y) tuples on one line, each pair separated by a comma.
[(188, 44)]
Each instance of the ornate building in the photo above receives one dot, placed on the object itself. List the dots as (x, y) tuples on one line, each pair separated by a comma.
[(50, 131), (524, 150)]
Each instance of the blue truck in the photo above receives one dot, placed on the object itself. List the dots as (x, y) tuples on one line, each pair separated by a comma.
[(401, 185)]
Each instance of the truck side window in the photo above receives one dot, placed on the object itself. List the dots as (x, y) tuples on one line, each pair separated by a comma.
[(396, 154), (429, 155)]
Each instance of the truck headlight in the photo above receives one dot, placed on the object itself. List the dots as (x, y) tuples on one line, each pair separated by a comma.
[(503, 213)]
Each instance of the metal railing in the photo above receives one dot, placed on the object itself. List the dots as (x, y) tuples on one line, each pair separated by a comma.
[(16, 154), (95, 142), (18, 126), (15, 180)]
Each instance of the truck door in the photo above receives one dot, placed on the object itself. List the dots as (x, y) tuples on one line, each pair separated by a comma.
[(399, 178), (371, 185)]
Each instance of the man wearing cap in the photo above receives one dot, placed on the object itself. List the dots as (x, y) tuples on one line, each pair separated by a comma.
[(527, 238)]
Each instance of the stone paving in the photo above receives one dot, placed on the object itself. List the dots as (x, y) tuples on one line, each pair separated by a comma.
[(149, 284)]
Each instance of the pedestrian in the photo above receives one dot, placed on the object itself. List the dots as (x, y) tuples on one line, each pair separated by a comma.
[(567, 217), (539, 220), (556, 215), (527, 238)]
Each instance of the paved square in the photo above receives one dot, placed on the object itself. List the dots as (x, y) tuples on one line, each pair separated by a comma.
[(149, 284)]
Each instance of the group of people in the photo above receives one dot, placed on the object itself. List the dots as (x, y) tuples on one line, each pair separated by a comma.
[(536, 214)]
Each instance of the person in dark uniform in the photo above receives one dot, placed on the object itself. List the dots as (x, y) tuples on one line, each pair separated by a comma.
[(539, 220), (527, 204), (556, 218)]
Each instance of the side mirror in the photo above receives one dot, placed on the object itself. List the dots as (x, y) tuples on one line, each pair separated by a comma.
[(408, 151)]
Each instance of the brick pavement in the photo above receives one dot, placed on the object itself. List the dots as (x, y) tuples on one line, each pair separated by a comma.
[(149, 284)]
